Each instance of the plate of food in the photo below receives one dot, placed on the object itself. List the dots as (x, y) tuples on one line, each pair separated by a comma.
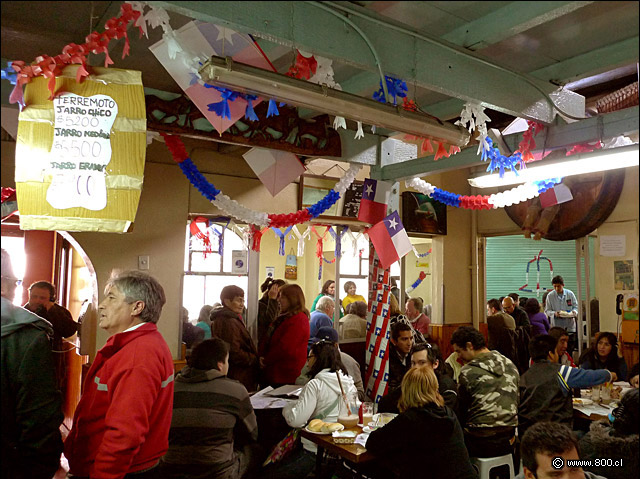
[(565, 314), (382, 419), (318, 426), (582, 401)]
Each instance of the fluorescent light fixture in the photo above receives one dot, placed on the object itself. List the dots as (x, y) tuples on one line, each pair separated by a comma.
[(600, 160), (246, 79)]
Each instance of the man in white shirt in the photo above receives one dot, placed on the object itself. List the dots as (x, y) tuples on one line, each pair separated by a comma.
[(562, 309)]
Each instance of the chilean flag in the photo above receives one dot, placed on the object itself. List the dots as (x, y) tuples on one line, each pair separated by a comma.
[(390, 240), (557, 195), (373, 205)]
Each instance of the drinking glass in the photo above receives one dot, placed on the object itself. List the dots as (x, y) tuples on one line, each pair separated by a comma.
[(348, 410)]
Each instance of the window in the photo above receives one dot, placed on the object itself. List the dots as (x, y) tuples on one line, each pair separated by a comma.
[(356, 269), (206, 273)]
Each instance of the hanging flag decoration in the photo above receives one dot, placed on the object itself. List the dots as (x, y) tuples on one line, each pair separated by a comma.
[(378, 326), (555, 196), (281, 235), (537, 259), (375, 197), (80, 157), (275, 169), (390, 240), (220, 106)]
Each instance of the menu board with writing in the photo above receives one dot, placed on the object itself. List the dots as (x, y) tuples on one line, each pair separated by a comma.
[(352, 198), (81, 151)]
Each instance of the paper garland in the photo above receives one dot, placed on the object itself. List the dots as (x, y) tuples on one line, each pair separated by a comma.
[(235, 209), (483, 202), (417, 282)]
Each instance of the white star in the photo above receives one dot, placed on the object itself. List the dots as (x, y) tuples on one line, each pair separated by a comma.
[(369, 189), (392, 223), (225, 34)]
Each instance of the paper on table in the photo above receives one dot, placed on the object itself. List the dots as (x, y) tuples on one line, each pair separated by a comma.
[(286, 390), (593, 409), (260, 401), (361, 439)]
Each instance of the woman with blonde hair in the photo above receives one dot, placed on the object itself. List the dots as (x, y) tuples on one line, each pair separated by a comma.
[(285, 347), (401, 446)]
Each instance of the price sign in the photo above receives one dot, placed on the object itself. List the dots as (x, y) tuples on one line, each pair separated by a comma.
[(81, 151)]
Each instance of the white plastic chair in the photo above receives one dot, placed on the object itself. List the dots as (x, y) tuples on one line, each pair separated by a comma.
[(485, 464)]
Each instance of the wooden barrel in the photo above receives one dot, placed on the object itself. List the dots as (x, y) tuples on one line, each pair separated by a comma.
[(595, 195)]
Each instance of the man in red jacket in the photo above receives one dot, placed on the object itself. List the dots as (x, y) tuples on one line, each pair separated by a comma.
[(121, 425)]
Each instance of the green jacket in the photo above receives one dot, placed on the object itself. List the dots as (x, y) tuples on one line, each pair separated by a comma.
[(31, 404), (488, 392)]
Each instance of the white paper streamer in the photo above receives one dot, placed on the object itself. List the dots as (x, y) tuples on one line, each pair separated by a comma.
[(360, 132)]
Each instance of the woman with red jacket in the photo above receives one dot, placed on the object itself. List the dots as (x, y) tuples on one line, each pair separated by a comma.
[(285, 347)]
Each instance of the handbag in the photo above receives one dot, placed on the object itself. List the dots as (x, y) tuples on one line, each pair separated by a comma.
[(291, 266)]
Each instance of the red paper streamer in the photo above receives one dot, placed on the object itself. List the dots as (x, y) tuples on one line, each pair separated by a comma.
[(528, 143), (304, 68), (51, 67)]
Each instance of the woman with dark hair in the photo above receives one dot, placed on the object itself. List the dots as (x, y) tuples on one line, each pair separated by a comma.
[(539, 321), (400, 444), (328, 289), (268, 307), (285, 344), (615, 438), (319, 399), (351, 297), (604, 355)]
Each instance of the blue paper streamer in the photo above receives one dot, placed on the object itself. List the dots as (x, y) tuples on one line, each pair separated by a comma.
[(446, 198), (198, 180), (273, 109), (249, 113), (9, 74), (221, 108), (498, 161), (324, 204), (280, 234), (395, 87), (338, 240)]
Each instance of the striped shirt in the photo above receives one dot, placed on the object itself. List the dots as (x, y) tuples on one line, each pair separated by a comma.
[(208, 408)]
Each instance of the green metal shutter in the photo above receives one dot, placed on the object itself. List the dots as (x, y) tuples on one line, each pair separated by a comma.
[(507, 258)]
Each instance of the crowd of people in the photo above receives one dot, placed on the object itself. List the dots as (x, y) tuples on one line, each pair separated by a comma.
[(138, 420)]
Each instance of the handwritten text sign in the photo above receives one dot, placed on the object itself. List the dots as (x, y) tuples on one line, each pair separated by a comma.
[(81, 151)]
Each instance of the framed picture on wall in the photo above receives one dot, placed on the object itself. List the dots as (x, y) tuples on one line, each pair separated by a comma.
[(313, 188), (423, 215)]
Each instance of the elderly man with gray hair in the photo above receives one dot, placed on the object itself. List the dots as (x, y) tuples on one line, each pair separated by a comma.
[(322, 316), (121, 425)]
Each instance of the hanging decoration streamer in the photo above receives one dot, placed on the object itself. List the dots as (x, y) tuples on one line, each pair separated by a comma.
[(236, 210), (51, 67), (304, 68), (499, 200), (282, 235), (395, 87), (421, 255), (528, 143), (201, 235), (338, 239), (473, 118), (417, 282), (537, 259)]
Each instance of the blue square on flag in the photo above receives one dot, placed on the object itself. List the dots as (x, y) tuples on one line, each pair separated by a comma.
[(371, 348), (386, 377), (379, 297), (377, 331), (375, 373), (381, 354), (378, 397), (390, 240)]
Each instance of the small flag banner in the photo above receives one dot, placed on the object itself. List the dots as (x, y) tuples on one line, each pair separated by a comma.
[(555, 196), (377, 354), (375, 197)]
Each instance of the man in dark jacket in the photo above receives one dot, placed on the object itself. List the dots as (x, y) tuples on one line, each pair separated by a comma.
[(213, 428), (31, 403), (42, 297), (228, 325), (424, 355), (545, 389), (523, 332), (399, 353)]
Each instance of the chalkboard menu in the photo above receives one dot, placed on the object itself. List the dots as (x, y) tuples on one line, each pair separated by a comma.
[(352, 198)]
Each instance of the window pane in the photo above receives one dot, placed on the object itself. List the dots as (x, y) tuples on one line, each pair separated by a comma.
[(193, 295), (362, 287), (395, 269), (349, 264), (232, 242), (210, 264)]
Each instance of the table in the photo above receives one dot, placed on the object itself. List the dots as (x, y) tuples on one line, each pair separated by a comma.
[(354, 453)]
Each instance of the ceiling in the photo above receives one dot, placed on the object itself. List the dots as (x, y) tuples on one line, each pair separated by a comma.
[(502, 54)]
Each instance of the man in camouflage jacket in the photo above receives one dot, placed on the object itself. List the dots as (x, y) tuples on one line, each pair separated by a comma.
[(488, 395)]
